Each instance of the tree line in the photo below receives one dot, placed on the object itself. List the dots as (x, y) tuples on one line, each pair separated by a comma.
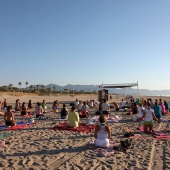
[(41, 89)]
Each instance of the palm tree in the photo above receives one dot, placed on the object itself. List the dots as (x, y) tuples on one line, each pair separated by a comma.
[(20, 85), (42, 86), (26, 85), (10, 86), (31, 87)]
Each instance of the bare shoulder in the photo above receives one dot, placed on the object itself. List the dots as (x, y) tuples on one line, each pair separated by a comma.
[(107, 127), (97, 127)]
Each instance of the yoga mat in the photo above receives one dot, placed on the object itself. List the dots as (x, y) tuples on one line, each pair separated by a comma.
[(157, 134), (16, 127), (104, 152)]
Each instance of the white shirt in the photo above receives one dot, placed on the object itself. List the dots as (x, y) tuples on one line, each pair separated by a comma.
[(148, 116), (122, 104), (140, 111), (76, 103)]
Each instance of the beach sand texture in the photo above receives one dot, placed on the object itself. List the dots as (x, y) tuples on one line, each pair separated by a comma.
[(38, 147)]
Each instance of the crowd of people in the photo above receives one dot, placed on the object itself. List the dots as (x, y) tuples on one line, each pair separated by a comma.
[(145, 111)]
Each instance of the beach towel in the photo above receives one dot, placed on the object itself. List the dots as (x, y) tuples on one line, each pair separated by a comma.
[(103, 152), (83, 127)]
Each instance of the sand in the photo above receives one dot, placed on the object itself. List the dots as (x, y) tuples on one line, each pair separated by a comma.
[(38, 147)]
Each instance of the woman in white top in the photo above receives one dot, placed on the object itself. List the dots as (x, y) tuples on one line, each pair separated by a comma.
[(148, 116), (140, 111), (102, 133)]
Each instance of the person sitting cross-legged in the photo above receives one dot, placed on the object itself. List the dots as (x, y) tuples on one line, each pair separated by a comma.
[(102, 133)]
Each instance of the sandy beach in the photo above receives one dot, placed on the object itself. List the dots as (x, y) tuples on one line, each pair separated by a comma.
[(39, 147)]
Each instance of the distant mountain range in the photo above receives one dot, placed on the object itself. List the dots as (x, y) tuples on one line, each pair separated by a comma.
[(127, 91)]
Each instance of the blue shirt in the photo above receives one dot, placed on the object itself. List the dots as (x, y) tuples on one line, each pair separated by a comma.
[(166, 105), (157, 110)]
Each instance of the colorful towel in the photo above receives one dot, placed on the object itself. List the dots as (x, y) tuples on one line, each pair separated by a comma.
[(18, 126), (104, 152), (82, 127)]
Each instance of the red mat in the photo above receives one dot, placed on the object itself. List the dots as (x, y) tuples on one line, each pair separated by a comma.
[(157, 134), (82, 127)]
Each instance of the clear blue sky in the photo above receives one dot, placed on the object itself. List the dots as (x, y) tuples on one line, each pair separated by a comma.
[(85, 42)]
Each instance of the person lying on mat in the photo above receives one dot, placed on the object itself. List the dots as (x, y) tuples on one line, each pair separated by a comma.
[(102, 133), (55, 106), (24, 109), (64, 112), (73, 118), (38, 110), (148, 116), (17, 105), (30, 105), (9, 117), (84, 111), (105, 108)]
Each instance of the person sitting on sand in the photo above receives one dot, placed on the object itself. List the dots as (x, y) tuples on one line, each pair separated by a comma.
[(122, 104), (76, 103), (9, 117), (166, 106), (157, 111), (39, 110), (102, 133), (140, 111), (134, 108), (4, 104), (30, 105), (55, 106), (64, 112), (44, 106), (80, 105), (17, 105), (105, 108), (84, 110), (24, 109), (73, 118), (162, 108), (116, 106), (148, 116)]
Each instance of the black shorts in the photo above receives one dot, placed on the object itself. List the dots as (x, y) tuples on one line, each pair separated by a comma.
[(9, 123), (105, 113), (23, 112)]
